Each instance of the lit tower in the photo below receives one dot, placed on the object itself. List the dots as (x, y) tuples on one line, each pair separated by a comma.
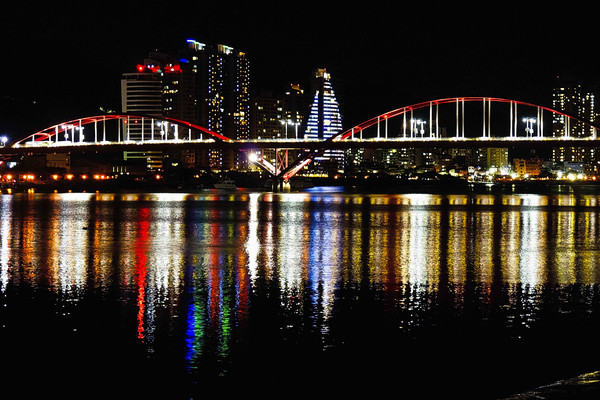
[(204, 85), (157, 88), (324, 121), (222, 95), (573, 99)]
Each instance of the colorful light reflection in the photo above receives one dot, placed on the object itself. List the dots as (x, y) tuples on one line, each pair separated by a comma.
[(205, 259)]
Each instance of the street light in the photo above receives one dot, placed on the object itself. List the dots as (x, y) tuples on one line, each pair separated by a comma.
[(285, 124), (80, 130), (3, 139), (414, 129), (296, 127), (289, 122), (529, 121)]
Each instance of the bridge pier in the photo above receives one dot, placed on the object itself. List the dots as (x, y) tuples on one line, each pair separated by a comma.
[(280, 185)]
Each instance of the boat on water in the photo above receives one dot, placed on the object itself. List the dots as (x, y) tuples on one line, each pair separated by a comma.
[(225, 184)]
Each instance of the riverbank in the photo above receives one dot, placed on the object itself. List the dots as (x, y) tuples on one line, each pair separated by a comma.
[(456, 185), (349, 185), (585, 386)]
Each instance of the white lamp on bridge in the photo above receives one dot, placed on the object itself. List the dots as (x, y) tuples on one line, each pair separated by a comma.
[(416, 122), (529, 121), (253, 157)]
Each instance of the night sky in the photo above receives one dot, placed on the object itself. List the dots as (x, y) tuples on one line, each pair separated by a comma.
[(65, 61)]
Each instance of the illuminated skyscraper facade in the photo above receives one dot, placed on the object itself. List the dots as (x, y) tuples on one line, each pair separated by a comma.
[(325, 121), (205, 85), (222, 95), (141, 92), (574, 100), (159, 87), (296, 106)]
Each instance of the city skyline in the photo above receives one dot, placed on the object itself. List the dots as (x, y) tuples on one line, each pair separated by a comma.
[(384, 60)]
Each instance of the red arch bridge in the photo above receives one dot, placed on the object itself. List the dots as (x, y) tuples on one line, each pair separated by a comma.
[(459, 122)]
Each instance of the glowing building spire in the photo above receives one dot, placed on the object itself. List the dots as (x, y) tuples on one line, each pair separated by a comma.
[(325, 119)]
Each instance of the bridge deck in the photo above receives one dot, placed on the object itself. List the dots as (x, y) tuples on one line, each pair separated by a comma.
[(300, 144)]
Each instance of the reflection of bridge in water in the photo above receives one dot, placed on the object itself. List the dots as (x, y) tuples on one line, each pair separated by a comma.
[(461, 122)]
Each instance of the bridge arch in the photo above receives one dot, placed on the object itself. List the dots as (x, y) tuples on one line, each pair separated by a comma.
[(459, 102), (129, 128)]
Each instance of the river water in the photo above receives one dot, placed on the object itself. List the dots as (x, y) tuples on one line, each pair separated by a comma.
[(471, 295)]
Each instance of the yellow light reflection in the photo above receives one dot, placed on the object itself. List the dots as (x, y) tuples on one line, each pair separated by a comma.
[(72, 243), (483, 246), (588, 257), (510, 244), (252, 241), (5, 240), (457, 243), (533, 247), (423, 268), (563, 245)]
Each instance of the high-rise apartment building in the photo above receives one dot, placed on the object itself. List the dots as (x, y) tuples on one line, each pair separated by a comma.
[(222, 95), (296, 107), (279, 116), (576, 101), (141, 92), (202, 84), (267, 116), (159, 87), (150, 90)]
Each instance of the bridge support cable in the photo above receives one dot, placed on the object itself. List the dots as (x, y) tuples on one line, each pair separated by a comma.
[(434, 126), (457, 117), (483, 129), (430, 119), (437, 119), (463, 118), (516, 120), (511, 120), (541, 122), (386, 127), (460, 117), (487, 117)]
